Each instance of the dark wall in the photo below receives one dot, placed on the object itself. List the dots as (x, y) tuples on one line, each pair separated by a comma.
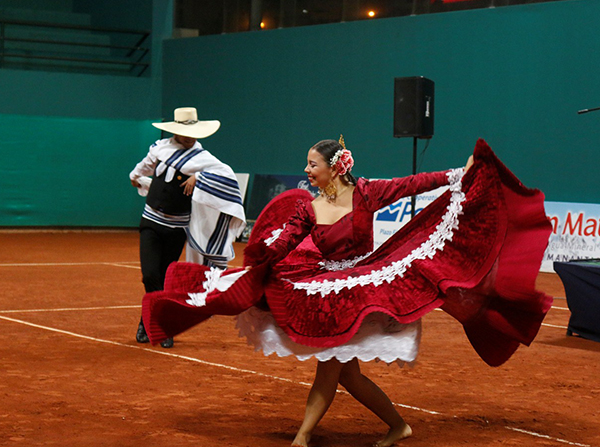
[(69, 140), (130, 14), (41, 93), (70, 171), (514, 76)]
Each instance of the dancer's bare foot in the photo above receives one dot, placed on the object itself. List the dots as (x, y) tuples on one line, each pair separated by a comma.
[(301, 440), (395, 434)]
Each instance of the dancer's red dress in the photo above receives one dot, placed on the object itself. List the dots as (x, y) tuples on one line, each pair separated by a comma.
[(475, 252)]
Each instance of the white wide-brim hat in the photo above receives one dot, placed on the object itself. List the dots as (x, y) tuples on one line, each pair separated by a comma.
[(186, 124)]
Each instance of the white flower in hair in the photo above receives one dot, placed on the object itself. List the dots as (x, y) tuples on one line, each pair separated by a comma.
[(336, 157)]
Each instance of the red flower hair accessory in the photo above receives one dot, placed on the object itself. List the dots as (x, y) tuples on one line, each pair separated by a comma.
[(342, 159)]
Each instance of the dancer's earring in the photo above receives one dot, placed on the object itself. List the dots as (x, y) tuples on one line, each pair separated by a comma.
[(330, 191)]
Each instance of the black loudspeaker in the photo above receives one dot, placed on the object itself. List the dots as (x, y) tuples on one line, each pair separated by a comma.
[(413, 107)]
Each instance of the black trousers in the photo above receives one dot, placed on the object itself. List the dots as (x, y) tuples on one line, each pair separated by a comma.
[(159, 247)]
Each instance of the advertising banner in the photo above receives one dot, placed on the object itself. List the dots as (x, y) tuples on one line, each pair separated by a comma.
[(575, 233), (390, 219), (265, 187), (575, 226)]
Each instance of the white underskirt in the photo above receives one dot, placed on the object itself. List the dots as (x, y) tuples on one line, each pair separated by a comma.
[(379, 338)]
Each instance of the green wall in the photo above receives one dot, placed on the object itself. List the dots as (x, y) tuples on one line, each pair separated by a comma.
[(70, 171), (39, 93), (130, 14), (78, 95), (69, 140), (514, 76)]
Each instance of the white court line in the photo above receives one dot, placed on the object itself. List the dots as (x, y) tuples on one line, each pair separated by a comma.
[(67, 264), (115, 264), (552, 307), (553, 325), (67, 309), (546, 437), (256, 373), (48, 264), (123, 264), (192, 359), (154, 351), (64, 309), (543, 324)]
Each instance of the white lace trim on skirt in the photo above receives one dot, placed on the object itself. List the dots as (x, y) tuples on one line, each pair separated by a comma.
[(380, 338), (444, 232)]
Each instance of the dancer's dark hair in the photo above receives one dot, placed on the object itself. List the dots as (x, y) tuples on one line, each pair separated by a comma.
[(327, 149)]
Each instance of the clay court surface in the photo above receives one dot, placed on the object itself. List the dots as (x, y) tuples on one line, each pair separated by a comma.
[(72, 374)]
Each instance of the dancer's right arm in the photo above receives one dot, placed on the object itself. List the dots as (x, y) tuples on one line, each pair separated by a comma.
[(144, 168)]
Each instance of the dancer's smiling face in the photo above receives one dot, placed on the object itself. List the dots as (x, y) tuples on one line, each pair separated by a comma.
[(317, 169)]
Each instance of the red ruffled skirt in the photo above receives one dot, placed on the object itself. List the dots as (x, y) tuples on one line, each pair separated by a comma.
[(481, 270)]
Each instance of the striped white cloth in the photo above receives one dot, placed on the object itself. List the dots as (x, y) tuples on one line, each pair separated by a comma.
[(217, 216)]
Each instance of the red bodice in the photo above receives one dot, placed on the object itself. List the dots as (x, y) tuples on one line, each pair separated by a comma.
[(352, 235)]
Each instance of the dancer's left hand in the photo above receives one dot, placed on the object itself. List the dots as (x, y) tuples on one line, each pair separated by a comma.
[(469, 163)]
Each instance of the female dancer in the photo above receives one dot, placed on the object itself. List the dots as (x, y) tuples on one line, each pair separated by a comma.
[(331, 174), (341, 303)]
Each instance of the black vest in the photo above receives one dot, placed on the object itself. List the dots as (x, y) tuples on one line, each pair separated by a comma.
[(168, 197)]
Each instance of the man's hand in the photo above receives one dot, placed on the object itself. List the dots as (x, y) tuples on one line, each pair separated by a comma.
[(188, 185)]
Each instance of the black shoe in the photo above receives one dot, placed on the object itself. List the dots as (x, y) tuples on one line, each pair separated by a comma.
[(168, 343), (141, 335)]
